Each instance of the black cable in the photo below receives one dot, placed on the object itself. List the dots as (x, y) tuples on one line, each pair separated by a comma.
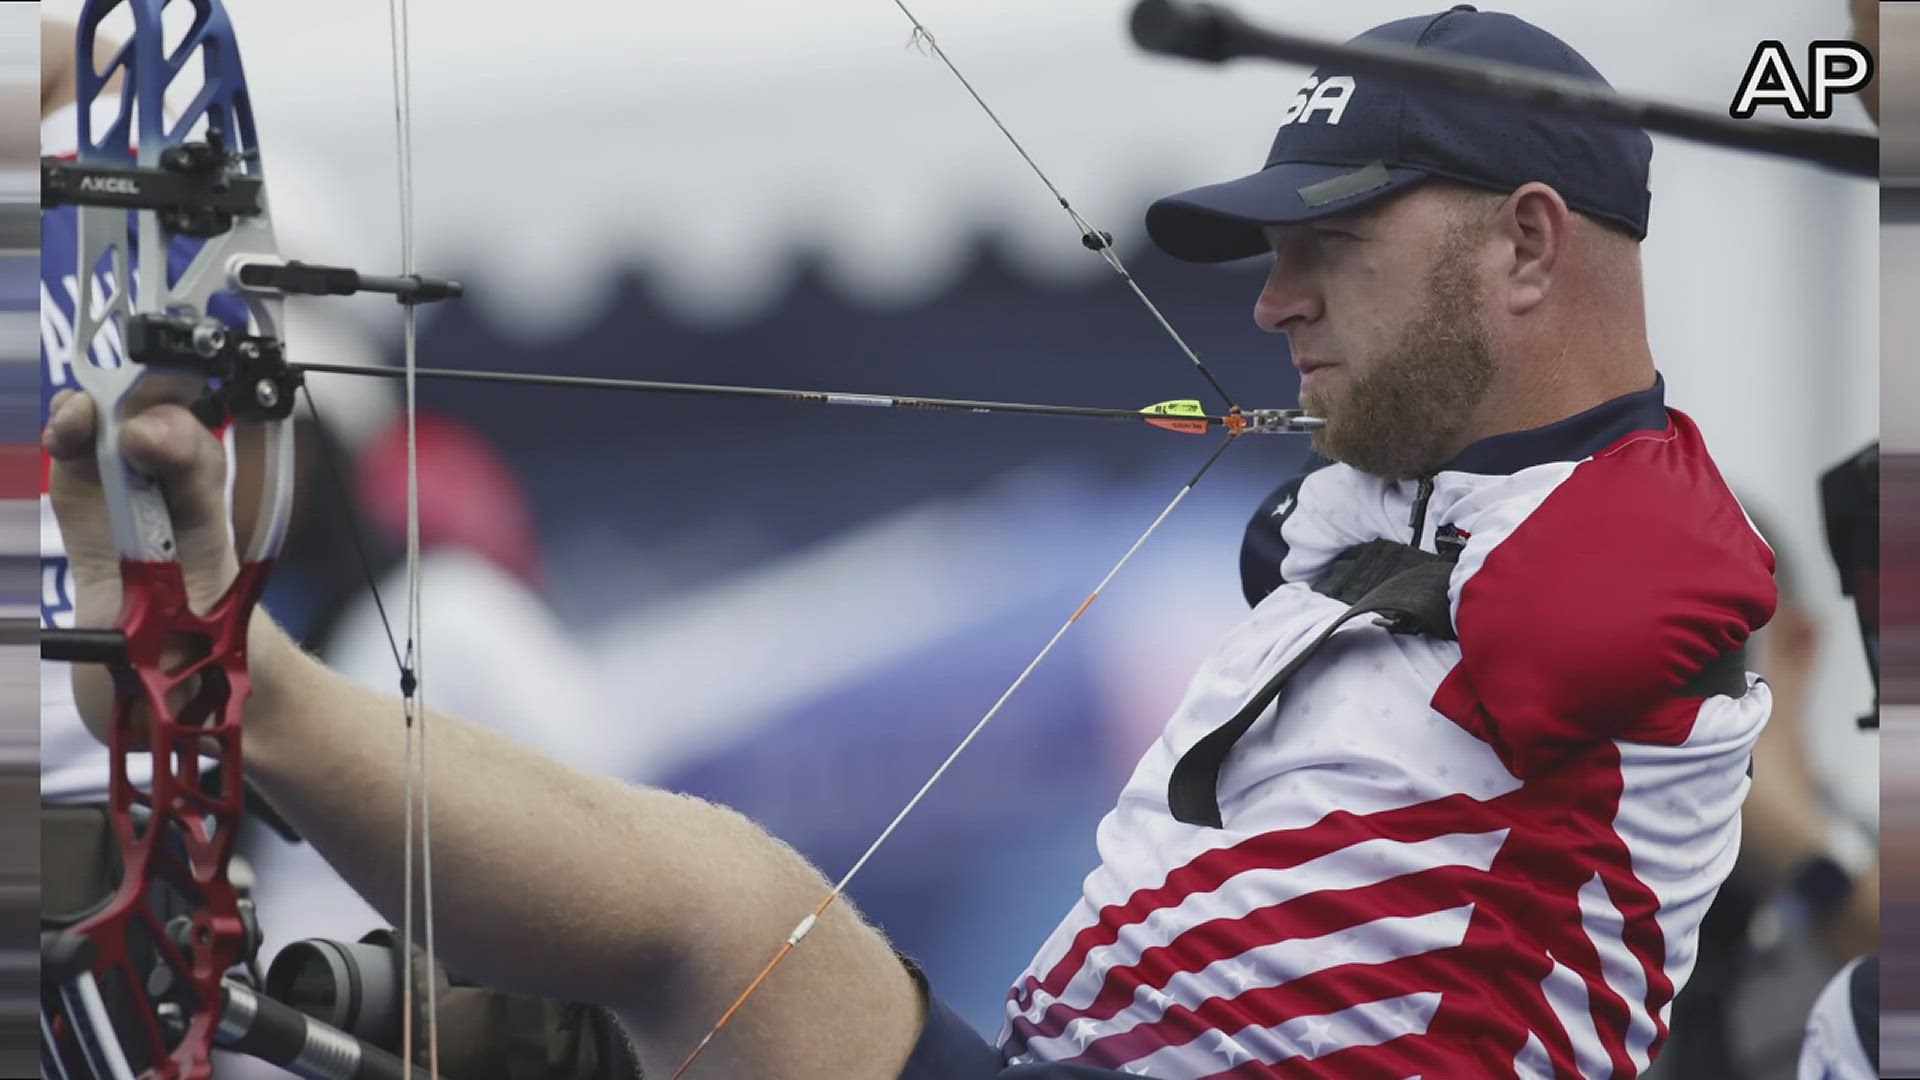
[(1214, 34)]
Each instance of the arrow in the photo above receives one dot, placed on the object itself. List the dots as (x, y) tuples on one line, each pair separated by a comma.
[(1185, 416)]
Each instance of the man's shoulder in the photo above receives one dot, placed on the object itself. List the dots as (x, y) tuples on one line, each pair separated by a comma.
[(1615, 578), (1653, 495)]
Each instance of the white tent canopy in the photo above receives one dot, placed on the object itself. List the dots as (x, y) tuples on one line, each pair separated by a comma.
[(706, 138)]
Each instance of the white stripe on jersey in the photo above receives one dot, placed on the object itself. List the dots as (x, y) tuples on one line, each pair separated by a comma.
[(1377, 942), (1355, 866)]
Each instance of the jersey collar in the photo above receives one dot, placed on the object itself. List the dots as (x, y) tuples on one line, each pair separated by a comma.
[(1579, 436)]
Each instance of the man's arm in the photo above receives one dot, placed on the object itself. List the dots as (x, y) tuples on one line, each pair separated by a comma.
[(58, 85), (547, 881)]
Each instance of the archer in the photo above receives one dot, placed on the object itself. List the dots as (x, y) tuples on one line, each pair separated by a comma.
[(1475, 840)]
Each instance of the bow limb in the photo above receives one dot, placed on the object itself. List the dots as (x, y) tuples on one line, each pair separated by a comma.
[(139, 981)]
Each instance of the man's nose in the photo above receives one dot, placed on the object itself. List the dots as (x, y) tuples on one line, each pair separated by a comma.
[(1285, 297)]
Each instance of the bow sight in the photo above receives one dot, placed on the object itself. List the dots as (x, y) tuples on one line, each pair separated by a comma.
[(197, 191)]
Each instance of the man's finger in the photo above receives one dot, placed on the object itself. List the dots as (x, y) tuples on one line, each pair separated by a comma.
[(166, 442), (70, 419), (170, 444)]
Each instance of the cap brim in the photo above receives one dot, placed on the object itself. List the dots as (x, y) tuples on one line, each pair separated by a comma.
[(1223, 221)]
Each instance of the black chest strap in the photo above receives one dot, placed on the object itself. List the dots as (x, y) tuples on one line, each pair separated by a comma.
[(1408, 588), (1405, 585)]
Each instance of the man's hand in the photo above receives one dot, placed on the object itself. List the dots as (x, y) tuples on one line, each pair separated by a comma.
[(162, 440)]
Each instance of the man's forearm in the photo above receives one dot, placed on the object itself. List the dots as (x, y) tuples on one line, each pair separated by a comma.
[(558, 883), (547, 880)]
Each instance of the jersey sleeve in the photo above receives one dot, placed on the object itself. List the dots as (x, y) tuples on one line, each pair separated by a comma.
[(1584, 610)]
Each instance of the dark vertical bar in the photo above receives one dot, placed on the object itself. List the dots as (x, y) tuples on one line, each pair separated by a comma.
[(1899, 586)]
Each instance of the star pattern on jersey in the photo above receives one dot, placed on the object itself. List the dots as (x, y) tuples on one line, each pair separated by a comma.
[(1318, 1035), (1230, 1051), (1407, 1011)]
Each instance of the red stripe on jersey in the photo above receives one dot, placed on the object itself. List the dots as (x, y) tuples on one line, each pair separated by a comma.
[(1312, 915), (1395, 1059), (1326, 991), (1271, 851), (1492, 993)]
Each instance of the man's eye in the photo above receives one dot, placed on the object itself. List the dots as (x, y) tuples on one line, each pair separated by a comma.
[(1340, 234)]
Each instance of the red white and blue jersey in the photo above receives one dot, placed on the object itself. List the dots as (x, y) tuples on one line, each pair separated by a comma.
[(1483, 857)]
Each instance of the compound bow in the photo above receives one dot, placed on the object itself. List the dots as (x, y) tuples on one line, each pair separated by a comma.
[(139, 986)]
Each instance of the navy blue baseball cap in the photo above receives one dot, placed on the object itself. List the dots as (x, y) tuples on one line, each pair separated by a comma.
[(1350, 140)]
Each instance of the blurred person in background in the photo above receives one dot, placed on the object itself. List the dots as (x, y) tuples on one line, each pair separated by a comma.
[(506, 662), (1895, 100), (1827, 883), (1806, 876), (1478, 841)]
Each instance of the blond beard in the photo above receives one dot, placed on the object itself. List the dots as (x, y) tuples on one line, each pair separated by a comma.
[(1403, 418)]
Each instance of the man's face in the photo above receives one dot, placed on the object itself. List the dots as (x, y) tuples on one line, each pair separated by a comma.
[(1383, 312)]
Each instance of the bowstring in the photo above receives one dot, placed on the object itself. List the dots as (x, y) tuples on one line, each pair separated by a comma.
[(1101, 243), (807, 924), (419, 823)]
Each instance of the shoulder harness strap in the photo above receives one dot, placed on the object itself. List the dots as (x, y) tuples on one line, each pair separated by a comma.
[(1407, 587), (1404, 585)]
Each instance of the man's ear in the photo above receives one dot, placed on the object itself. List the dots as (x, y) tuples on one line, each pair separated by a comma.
[(1535, 224)]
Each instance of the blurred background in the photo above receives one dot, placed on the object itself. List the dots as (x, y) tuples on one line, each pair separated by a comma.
[(1900, 424), (798, 611)]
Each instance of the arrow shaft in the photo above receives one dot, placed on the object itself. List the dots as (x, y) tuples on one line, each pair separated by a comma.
[(820, 397)]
